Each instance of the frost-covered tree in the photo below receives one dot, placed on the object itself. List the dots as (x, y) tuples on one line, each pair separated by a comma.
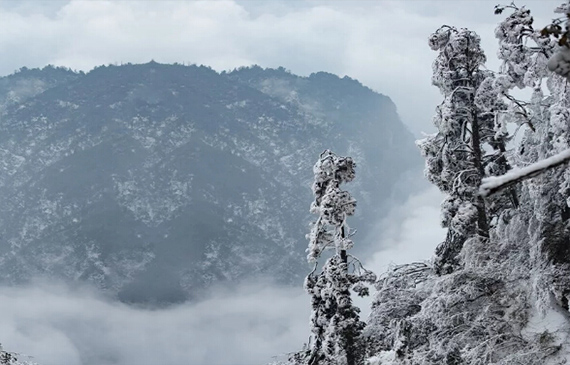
[(12, 358), (498, 305), (493, 184), (559, 62), (456, 159), (400, 292), (501, 297), (335, 323), (528, 56)]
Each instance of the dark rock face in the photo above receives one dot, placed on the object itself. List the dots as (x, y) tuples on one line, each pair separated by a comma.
[(153, 181)]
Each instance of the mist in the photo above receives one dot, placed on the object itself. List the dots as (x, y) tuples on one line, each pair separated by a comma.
[(63, 326), (409, 233), (251, 323)]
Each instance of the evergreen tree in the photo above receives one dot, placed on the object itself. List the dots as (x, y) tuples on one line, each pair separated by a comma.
[(505, 293), (493, 307), (335, 323), (528, 56), (455, 159)]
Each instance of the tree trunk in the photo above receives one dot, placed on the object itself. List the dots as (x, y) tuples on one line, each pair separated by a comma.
[(482, 223), (349, 348)]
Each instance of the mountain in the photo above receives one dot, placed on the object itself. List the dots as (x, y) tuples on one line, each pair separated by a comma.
[(154, 181)]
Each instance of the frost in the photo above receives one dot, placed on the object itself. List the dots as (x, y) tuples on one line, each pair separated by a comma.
[(560, 62), (494, 183), (13, 358), (335, 324), (383, 358)]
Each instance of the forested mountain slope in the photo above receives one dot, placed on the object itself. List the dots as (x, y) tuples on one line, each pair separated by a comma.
[(152, 181)]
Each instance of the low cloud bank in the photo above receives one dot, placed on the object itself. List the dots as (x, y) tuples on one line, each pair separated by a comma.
[(60, 326)]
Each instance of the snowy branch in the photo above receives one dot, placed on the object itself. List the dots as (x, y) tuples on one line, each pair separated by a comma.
[(493, 184)]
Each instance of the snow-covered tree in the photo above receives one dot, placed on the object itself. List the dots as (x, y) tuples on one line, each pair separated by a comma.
[(335, 322), (493, 184), (456, 159), (497, 306), (400, 292), (543, 147), (499, 289), (559, 62), (12, 358)]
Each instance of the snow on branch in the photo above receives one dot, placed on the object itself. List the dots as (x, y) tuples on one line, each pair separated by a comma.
[(493, 184)]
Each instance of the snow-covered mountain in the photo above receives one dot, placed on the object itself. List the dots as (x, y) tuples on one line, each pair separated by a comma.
[(152, 181)]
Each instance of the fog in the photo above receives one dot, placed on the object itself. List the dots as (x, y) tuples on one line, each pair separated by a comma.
[(410, 232), (58, 325), (248, 324)]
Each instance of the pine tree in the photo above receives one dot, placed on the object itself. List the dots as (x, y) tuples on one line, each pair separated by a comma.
[(497, 305), (335, 323), (455, 158), (528, 56)]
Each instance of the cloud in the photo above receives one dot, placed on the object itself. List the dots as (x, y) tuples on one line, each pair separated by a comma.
[(63, 326), (381, 43), (408, 234)]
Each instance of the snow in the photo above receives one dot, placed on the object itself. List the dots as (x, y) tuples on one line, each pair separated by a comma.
[(550, 326), (156, 199), (333, 316), (493, 183), (560, 62), (383, 358), (14, 358)]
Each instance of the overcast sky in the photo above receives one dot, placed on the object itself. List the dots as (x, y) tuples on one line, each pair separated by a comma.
[(381, 43)]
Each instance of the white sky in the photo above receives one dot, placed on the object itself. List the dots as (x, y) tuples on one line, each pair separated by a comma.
[(381, 43)]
